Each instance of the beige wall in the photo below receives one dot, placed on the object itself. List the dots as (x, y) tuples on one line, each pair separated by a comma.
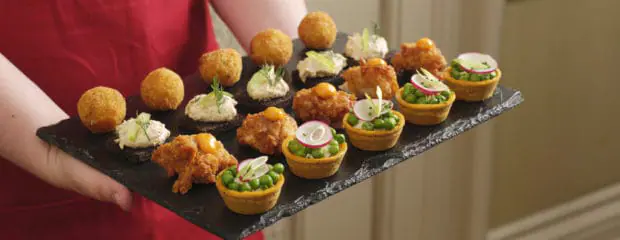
[(558, 145)]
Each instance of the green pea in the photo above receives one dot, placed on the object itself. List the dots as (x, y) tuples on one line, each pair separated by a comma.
[(334, 132), (340, 138), (407, 89), (484, 77), (440, 98), (294, 145), (390, 123), (266, 180), (300, 152), (455, 73), (445, 94), (333, 142), (317, 153), (464, 76), (233, 186), (434, 100), (419, 93), (474, 77), (255, 183), (379, 123), (245, 187), (410, 98), (227, 178), (454, 63), (263, 187), (493, 74), (278, 168), (333, 149), (352, 120), (274, 176), (367, 126), (422, 100)]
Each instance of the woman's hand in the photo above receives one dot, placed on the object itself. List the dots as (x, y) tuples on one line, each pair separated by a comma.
[(23, 109)]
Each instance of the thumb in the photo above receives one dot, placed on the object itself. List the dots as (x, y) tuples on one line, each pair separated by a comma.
[(79, 177)]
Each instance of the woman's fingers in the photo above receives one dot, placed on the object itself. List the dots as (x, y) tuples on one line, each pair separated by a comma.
[(77, 176)]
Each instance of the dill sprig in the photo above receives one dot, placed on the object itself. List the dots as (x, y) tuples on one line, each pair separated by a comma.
[(375, 28), (218, 92)]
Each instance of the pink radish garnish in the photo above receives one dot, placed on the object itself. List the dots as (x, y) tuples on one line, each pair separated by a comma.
[(427, 83), (314, 134), (369, 109), (477, 63)]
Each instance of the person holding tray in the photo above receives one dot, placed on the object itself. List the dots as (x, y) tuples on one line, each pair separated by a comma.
[(50, 53)]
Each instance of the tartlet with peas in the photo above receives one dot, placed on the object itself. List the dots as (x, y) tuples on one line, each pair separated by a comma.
[(373, 125), (425, 100), (252, 187), (316, 151), (473, 76)]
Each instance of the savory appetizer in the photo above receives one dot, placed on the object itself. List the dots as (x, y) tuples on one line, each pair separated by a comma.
[(141, 132), (372, 125), (324, 103), (267, 87), (426, 100), (225, 64), (366, 45), (271, 46), (101, 109), (364, 79), (473, 76), (320, 67), (316, 151), (214, 112), (162, 89), (317, 30), (421, 54), (252, 187), (266, 130), (194, 158)]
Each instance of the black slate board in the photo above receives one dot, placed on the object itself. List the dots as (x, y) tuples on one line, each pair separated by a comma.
[(203, 205)]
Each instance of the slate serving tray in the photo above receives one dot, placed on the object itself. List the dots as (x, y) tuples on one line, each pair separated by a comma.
[(203, 206)]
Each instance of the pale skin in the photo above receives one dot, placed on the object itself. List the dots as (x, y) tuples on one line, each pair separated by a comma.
[(21, 117)]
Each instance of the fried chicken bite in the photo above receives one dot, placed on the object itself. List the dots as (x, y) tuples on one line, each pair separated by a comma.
[(324, 103), (266, 130), (421, 54), (194, 158), (364, 79)]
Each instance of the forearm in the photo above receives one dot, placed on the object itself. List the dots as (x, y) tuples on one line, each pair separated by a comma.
[(24, 108), (245, 18)]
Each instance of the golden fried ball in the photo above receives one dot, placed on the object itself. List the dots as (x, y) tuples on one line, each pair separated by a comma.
[(223, 63), (101, 109), (271, 46), (162, 89), (317, 30)]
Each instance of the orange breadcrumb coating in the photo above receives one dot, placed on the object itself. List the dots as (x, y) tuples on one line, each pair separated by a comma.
[(412, 57), (317, 30), (162, 89), (309, 106), (223, 63), (101, 109), (271, 46), (364, 79)]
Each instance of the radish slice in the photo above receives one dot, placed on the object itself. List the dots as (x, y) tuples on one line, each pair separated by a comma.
[(314, 134), (252, 168), (365, 109), (427, 83), (477, 63)]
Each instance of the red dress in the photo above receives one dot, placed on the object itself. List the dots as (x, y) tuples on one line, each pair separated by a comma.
[(67, 47)]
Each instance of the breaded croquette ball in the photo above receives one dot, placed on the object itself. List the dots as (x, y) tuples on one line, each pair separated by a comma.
[(223, 63), (162, 89), (101, 109), (271, 46), (317, 30)]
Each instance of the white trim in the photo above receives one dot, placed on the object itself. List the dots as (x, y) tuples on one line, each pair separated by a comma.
[(571, 218)]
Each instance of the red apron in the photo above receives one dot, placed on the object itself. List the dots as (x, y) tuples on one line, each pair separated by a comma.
[(67, 47)]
